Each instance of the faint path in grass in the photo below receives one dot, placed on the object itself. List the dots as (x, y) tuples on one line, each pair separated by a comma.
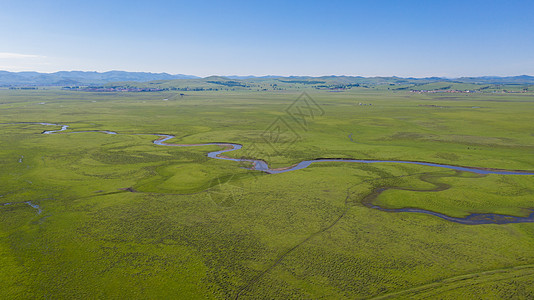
[(287, 252), (433, 289), (348, 204)]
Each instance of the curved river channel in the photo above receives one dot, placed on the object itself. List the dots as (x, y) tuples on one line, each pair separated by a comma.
[(473, 219)]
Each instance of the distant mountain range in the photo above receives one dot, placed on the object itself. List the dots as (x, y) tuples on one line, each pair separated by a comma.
[(82, 78), (523, 79), (69, 78)]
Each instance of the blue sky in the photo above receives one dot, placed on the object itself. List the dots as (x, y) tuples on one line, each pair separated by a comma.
[(367, 38)]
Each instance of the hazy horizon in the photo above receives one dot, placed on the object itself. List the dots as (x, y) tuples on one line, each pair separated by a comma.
[(299, 38), (268, 75)]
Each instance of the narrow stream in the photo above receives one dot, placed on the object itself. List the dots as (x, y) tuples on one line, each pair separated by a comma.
[(26, 202), (473, 219)]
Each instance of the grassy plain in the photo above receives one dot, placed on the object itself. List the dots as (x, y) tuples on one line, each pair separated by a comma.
[(204, 228)]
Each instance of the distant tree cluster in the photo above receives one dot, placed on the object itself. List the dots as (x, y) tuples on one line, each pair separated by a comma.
[(229, 83)]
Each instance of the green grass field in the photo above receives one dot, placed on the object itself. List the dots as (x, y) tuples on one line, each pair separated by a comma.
[(197, 227)]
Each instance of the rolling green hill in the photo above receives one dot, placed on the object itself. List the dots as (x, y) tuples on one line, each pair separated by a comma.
[(332, 83)]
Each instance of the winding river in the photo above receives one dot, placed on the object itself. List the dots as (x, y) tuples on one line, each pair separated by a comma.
[(260, 165)]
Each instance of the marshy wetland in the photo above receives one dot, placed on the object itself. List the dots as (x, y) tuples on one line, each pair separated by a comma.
[(351, 201)]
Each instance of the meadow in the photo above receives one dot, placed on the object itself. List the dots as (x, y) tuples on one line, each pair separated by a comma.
[(122, 217)]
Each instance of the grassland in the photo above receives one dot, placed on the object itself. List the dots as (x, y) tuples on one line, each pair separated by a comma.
[(196, 227)]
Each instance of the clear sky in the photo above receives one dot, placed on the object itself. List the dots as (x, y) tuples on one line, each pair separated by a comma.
[(368, 38)]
